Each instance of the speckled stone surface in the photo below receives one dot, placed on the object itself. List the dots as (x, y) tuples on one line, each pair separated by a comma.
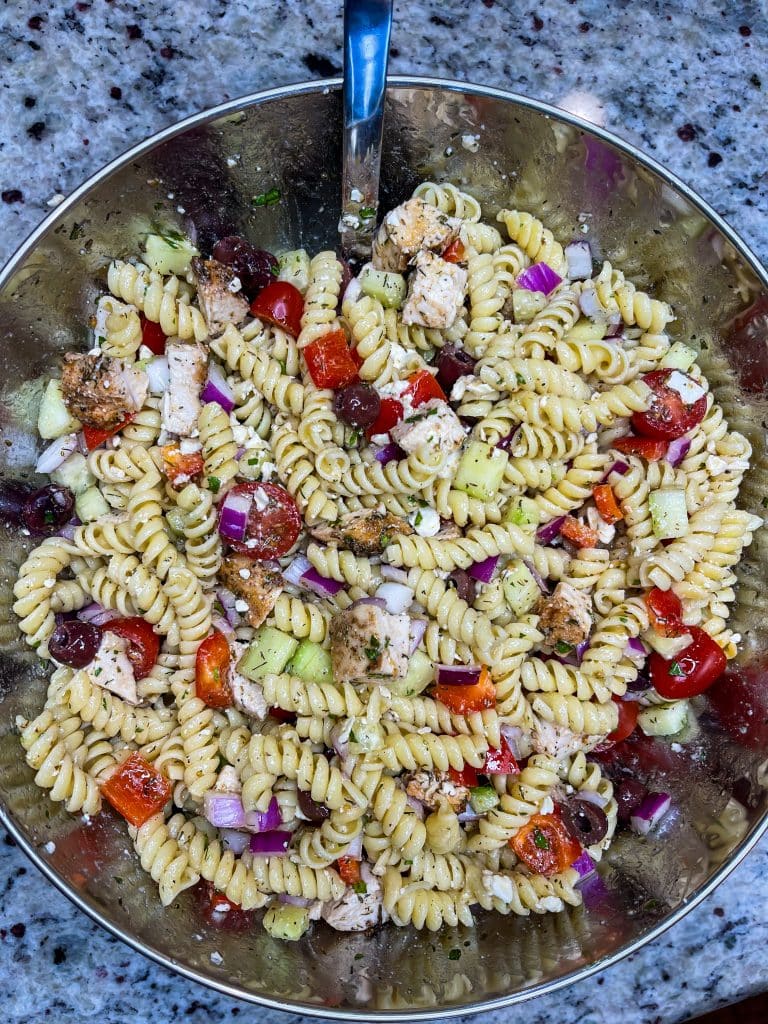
[(79, 83)]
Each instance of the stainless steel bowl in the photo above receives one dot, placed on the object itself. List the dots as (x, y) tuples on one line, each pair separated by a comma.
[(576, 177)]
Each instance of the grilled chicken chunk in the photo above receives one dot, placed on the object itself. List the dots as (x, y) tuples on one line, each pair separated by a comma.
[(367, 642), (187, 370), (432, 787), (112, 669), (357, 911), (435, 292), (364, 533), (248, 695), (409, 228), (101, 391), (218, 292), (253, 583), (565, 616)]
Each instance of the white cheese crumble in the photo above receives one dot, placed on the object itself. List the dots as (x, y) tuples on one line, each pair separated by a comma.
[(260, 499), (685, 386), (244, 574), (356, 196), (188, 446), (241, 605), (425, 521), (50, 847), (470, 142), (235, 285)]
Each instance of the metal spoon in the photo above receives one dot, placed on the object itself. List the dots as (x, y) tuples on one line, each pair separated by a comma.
[(367, 28)]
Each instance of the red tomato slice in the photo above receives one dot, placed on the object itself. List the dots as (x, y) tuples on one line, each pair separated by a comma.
[(628, 711), (454, 253), (95, 436), (423, 387), (152, 335), (280, 304), (181, 468), (668, 416), (665, 612), (692, 672), (500, 761), (578, 533), (545, 846), (740, 699), (466, 777), (330, 362), (272, 531), (349, 870), (137, 790), (746, 348), (642, 446), (606, 504), (390, 413), (463, 700), (212, 671), (143, 643)]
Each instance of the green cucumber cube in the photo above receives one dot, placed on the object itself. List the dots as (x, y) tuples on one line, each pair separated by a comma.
[(523, 512), (169, 253), (679, 357), (664, 719), (74, 474), (389, 288), (483, 799), (481, 470), (421, 672), (268, 654), (520, 588), (286, 922), (54, 418), (312, 663), (90, 505), (293, 267), (669, 515)]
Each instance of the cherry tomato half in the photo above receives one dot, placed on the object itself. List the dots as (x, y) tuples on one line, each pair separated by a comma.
[(94, 437), (180, 468), (137, 790), (668, 416), (280, 304), (390, 414), (642, 446), (152, 336), (423, 387), (665, 612), (455, 252), (143, 643), (740, 698), (692, 672), (545, 846), (628, 711), (271, 531), (349, 870), (212, 671)]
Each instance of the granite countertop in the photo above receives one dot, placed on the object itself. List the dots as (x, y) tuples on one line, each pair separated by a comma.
[(83, 81)]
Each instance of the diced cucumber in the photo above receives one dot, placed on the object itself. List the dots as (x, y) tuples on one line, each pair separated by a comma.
[(293, 267), (480, 470), (421, 672), (90, 505), (176, 521), (667, 646), (365, 736), (286, 922), (268, 654), (169, 253), (311, 662), (53, 418), (523, 512), (525, 304), (520, 588), (679, 357), (586, 330), (664, 719), (74, 474), (483, 799), (389, 288), (669, 516)]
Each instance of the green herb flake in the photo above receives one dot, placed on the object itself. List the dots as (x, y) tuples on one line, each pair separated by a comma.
[(267, 198), (367, 212), (520, 379), (360, 888), (214, 483), (418, 518), (373, 650), (540, 841), (561, 647), (49, 517), (675, 669), (454, 954), (97, 672), (253, 462), (359, 956)]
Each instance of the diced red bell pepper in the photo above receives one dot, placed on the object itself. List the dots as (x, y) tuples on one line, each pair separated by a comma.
[(179, 468), (466, 777), (578, 533), (606, 504), (330, 362), (212, 671), (137, 790), (545, 846), (500, 761), (645, 447), (390, 414), (423, 387), (465, 699), (349, 870), (95, 436), (220, 912), (455, 252), (152, 336), (665, 612)]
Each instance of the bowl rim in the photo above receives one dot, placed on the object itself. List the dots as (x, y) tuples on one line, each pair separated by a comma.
[(759, 827)]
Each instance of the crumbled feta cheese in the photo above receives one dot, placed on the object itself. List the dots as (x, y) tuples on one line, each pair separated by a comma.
[(50, 847), (553, 904), (244, 574), (716, 465), (235, 285), (425, 521), (234, 160), (216, 958), (685, 386), (470, 142), (399, 356), (260, 499), (50, 582), (241, 605), (188, 446), (547, 806), (500, 886), (448, 469), (267, 470), (356, 196), (145, 353), (380, 439), (605, 531)]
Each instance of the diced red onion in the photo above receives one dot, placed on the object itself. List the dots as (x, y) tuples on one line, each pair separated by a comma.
[(217, 389), (233, 521), (355, 848), (677, 451), (508, 442), (418, 629), (541, 583), (589, 304), (235, 840), (650, 812), (579, 256), (68, 530), (56, 453), (615, 329), (320, 585), (159, 375), (264, 821), (225, 810), (584, 865), (394, 573), (581, 650), (353, 291), (82, 447), (220, 623), (592, 798), (620, 466), (270, 844), (388, 453), (416, 806), (483, 571), (97, 614), (549, 531), (458, 675), (377, 601), (512, 735), (296, 570), (227, 600), (468, 815), (539, 278), (635, 646), (397, 596), (294, 901)]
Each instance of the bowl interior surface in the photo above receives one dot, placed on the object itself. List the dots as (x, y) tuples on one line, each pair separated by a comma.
[(582, 186)]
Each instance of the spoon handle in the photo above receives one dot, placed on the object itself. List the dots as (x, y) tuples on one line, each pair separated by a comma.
[(367, 28)]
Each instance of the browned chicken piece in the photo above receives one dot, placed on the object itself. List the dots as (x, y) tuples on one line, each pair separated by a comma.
[(101, 391), (364, 533), (409, 228), (218, 292), (432, 787), (253, 583), (369, 643), (565, 616), (187, 370)]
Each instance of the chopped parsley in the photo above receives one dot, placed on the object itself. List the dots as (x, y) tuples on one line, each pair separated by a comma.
[(353, 436), (385, 539), (360, 888), (454, 954), (367, 212), (373, 650), (49, 517), (520, 379), (675, 669), (253, 462), (97, 672), (352, 736), (540, 841), (418, 518), (421, 415), (267, 198), (173, 239), (214, 483), (561, 647)]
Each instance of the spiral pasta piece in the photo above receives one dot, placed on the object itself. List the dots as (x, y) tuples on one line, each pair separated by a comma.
[(534, 239), (218, 442), (158, 301), (321, 298), (461, 552), (264, 372)]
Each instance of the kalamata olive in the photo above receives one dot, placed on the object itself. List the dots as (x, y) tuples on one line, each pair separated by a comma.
[(47, 510), (585, 821), (466, 587), (12, 497), (358, 405), (255, 267), (453, 363), (639, 684), (629, 795), (310, 809), (346, 276), (75, 643)]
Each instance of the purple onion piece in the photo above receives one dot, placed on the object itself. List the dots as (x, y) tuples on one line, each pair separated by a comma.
[(225, 810), (294, 901), (418, 629), (417, 807), (97, 614), (388, 453), (549, 531), (233, 520), (483, 571), (235, 840), (508, 442), (541, 583), (379, 602), (539, 278), (677, 451), (458, 675), (320, 585), (264, 821), (584, 865), (227, 601), (619, 466), (270, 844), (296, 570), (650, 812), (217, 389), (393, 574)]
